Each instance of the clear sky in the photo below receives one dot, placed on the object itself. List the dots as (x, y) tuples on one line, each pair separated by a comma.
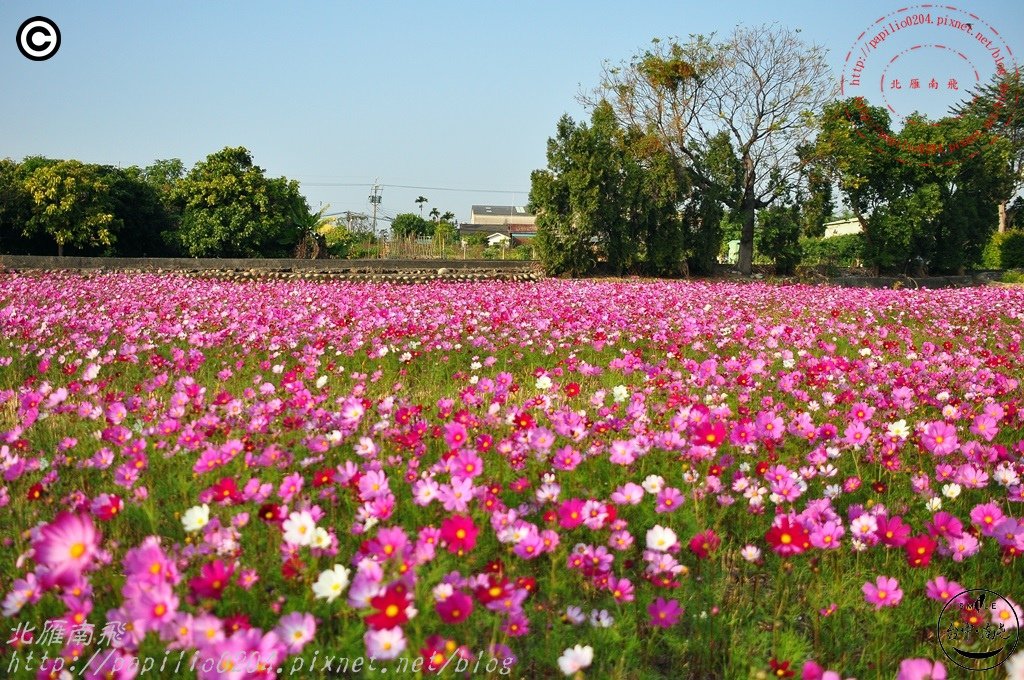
[(439, 94)]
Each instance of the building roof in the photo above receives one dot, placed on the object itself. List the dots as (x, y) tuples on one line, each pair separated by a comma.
[(501, 210), (522, 228), (467, 228)]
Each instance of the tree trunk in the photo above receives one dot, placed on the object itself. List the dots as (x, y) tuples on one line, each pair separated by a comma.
[(748, 207), (747, 239), (60, 249), (1002, 216)]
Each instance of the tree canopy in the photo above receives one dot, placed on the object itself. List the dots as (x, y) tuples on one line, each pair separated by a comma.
[(230, 208)]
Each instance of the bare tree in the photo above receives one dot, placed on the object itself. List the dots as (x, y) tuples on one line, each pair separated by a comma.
[(757, 86)]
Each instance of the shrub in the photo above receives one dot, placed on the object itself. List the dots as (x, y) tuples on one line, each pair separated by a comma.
[(1005, 250), (839, 251)]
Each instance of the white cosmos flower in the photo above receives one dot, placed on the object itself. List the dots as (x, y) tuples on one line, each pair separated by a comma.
[(898, 429), (321, 381), (331, 583), (951, 491), (751, 553), (197, 517), (653, 484), (620, 393), (933, 504), (321, 539), (299, 528), (660, 538), (543, 383), (576, 659)]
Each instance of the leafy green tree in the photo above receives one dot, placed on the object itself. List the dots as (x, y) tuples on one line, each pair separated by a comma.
[(231, 209), (420, 201), (406, 225), (778, 236), (144, 215), (999, 106), (940, 212), (15, 210), (72, 205), (581, 198)]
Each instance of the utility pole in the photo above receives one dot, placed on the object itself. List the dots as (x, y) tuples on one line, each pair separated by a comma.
[(375, 198)]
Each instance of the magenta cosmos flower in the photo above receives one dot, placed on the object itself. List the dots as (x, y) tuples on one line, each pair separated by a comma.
[(884, 592), (67, 545), (664, 614)]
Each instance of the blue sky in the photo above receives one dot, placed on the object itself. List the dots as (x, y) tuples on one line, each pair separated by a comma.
[(449, 95)]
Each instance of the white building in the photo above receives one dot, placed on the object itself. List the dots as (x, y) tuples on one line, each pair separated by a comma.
[(842, 227)]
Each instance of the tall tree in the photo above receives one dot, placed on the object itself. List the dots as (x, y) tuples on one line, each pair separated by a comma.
[(940, 212), (420, 200), (435, 214), (72, 205), (607, 194), (231, 209), (755, 86), (999, 106), (15, 208)]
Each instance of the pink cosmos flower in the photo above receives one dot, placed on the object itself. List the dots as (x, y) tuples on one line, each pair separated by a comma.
[(296, 630), (1007, 613), (884, 592), (939, 438), (893, 531), (921, 669), (668, 500), (987, 517), (985, 426), (385, 643), (66, 546), (942, 590), (856, 433), (828, 535)]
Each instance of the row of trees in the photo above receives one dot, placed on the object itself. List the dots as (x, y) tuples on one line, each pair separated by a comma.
[(687, 141), (224, 206)]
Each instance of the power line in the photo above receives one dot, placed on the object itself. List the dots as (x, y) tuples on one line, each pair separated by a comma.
[(409, 186)]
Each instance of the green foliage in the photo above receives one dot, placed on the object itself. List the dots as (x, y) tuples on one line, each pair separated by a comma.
[(778, 237), (607, 195), (445, 232), (231, 209), (407, 225), (145, 214), (840, 251), (1005, 250), (928, 194), (72, 205), (15, 209)]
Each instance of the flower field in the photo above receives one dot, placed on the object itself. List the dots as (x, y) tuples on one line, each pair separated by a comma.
[(607, 479)]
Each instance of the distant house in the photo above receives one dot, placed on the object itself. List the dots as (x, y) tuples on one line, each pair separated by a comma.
[(519, 224), (494, 233), (842, 227)]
